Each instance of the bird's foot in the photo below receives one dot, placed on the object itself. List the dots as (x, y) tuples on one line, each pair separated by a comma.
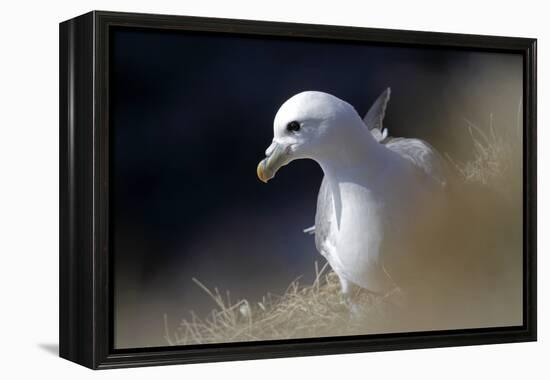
[(354, 308)]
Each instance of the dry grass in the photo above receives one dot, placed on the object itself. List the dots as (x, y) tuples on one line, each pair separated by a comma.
[(319, 309), (497, 156), (302, 311)]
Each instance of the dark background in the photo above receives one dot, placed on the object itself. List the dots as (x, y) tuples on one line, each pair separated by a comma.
[(192, 115)]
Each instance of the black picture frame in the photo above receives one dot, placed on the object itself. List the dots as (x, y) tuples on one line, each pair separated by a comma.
[(85, 272)]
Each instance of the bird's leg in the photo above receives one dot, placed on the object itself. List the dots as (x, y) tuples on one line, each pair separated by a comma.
[(347, 293), (346, 287)]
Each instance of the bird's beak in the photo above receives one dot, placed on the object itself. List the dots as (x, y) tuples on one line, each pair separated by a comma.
[(277, 156)]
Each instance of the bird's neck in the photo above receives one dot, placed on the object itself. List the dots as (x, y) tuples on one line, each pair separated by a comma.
[(357, 155)]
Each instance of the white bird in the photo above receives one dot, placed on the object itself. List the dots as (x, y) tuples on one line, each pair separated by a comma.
[(376, 193)]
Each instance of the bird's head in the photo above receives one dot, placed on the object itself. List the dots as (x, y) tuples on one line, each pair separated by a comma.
[(308, 125)]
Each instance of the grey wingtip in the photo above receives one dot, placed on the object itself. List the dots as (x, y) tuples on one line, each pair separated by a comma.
[(386, 101), (381, 103)]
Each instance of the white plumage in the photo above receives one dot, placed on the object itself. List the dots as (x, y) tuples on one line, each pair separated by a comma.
[(376, 193)]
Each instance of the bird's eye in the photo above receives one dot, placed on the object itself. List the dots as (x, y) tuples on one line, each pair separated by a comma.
[(293, 126)]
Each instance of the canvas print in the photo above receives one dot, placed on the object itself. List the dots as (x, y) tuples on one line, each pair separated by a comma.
[(268, 188)]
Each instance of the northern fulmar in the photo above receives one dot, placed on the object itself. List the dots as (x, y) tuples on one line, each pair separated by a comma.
[(376, 191)]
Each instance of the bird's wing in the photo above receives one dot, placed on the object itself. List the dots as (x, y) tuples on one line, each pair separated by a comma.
[(422, 155), (375, 116), (419, 152), (323, 216)]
